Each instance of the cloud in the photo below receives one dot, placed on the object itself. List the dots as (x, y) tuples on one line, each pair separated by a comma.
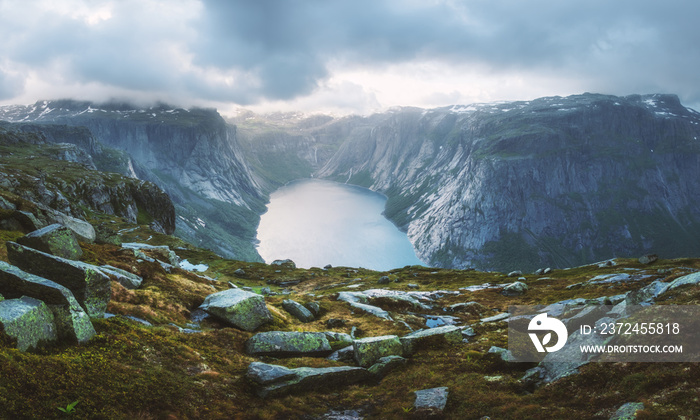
[(301, 51)]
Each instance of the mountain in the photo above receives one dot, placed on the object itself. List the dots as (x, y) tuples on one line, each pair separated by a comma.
[(554, 182)]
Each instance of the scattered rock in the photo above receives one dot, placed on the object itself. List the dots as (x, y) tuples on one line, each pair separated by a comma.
[(264, 374), (648, 259), (238, 307), (473, 308), (539, 271), (497, 317), (430, 403), (515, 289), (448, 334), (369, 350), (87, 282), (413, 286), (72, 323), (312, 379), (516, 273), (54, 239), (162, 251), (239, 272), (285, 263), (288, 343), (297, 310), (355, 300), (335, 323), (627, 411), (384, 280), (327, 267), (314, 308), (505, 354), (346, 354), (82, 229), (125, 278), (27, 320), (338, 340), (547, 271), (385, 365)]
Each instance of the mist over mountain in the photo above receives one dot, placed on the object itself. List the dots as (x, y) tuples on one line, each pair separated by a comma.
[(550, 182)]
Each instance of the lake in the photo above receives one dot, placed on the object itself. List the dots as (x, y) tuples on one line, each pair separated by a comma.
[(315, 222)]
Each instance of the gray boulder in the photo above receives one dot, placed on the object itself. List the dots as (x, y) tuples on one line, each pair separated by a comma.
[(288, 343), (346, 354), (384, 280), (82, 229), (314, 308), (338, 340), (448, 334), (369, 350), (72, 323), (27, 320), (162, 251), (514, 289), (648, 259), (239, 308), (385, 365), (516, 273), (430, 403), (264, 374), (297, 310), (627, 411), (54, 239), (313, 379), (125, 278), (89, 285), (284, 263)]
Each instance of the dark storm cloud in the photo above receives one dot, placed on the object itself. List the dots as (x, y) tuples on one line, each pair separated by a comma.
[(251, 51)]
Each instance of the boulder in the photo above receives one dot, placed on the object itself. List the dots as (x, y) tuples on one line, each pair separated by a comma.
[(338, 340), (71, 321), (385, 365), (239, 272), (89, 285), (28, 321), (242, 309), (346, 354), (125, 278), (162, 251), (369, 350), (335, 323), (514, 289), (314, 308), (473, 308), (384, 280), (82, 229), (448, 334), (54, 239), (284, 263), (430, 403), (516, 273), (313, 379), (264, 374), (297, 310), (648, 259), (21, 221), (627, 411), (288, 343)]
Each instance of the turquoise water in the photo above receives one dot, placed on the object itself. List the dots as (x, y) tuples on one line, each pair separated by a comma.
[(315, 222)]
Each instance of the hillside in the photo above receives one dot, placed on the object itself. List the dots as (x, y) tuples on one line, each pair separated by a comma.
[(156, 354)]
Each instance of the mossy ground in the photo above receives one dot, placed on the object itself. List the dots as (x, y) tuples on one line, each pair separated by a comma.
[(131, 371)]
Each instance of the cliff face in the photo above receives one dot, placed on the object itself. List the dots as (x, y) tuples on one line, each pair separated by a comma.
[(191, 154), (556, 181)]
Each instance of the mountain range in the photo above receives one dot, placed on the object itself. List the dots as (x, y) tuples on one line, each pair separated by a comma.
[(557, 181)]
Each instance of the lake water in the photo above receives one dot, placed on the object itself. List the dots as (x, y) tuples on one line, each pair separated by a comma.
[(315, 222)]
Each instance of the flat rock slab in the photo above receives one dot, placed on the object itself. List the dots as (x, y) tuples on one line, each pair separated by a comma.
[(72, 323), (54, 239), (288, 344), (627, 411), (89, 285), (313, 379), (265, 374), (27, 320), (161, 250), (125, 278), (386, 365), (242, 309), (430, 403), (369, 350), (448, 334)]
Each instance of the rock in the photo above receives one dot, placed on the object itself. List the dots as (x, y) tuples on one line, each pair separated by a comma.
[(240, 308), (346, 354), (27, 320), (449, 334), (338, 340), (430, 403), (648, 259), (690, 279), (314, 308), (288, 343), (504, 354), (82, 229), (312, 379), (474, 308), (88, 283), (125, 278), (497, 317), (384, 280), (327, 267), (514, 289), (627, 411), (369, 350), (413, 286), (239, 272), (72, 323), (20, 221), (285, 263), (539, 271), (161, 250), (547, 271), (6, 205), (516, 273), (335, 323), (385, 365), (54, 239), (107, 235), (355, 300), (297, 310), (468, 332), (264, 374)]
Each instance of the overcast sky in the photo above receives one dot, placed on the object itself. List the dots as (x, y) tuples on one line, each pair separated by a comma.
[(345, 55)]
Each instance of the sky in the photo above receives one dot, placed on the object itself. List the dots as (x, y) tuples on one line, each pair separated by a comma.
[(345, 56)]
